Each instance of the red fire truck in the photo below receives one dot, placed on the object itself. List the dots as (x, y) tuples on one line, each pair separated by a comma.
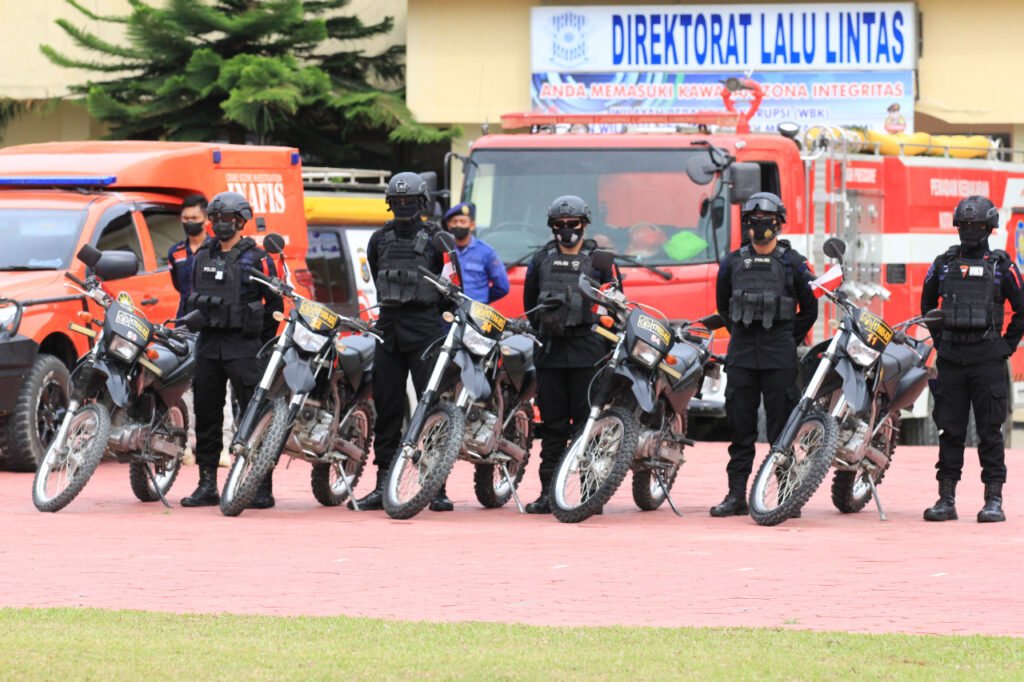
[(639, 175)]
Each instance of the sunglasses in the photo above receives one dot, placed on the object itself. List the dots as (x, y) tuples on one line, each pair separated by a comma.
[(571, 223), (761, 220)]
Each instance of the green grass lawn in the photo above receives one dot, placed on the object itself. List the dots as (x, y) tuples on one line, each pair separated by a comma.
[(73, 644)]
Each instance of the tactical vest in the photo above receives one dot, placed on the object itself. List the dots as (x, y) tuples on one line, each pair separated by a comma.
[(971, 297), (761, 288), (399, 281), (560, 281), (218, 289)]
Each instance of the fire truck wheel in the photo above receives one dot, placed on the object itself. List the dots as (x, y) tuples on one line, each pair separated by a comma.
[(37, 414)]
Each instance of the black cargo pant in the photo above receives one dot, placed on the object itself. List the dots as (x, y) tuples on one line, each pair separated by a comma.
[(985, 387), (209, 388), (562, 397), (391, 369), (744, 390)]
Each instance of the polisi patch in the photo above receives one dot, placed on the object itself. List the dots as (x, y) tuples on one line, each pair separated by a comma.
[(566, 264), (757, 262)]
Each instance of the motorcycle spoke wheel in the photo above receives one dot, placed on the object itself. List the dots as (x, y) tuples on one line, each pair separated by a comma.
[(64, 471), (247, 473), (416, 476), (332, 481), (165, 469), (489, 483)]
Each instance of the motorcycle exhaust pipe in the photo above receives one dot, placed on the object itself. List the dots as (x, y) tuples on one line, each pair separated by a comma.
[(511, 449), (876, 456), (349, 449)]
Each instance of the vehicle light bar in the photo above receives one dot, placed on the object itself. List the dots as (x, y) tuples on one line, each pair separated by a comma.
[(60, 181), (529, 119)]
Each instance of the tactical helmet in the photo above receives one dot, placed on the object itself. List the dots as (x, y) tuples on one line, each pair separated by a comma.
[(568, 206), (976, 209), (766, 202), (229, 202), (404, 187)]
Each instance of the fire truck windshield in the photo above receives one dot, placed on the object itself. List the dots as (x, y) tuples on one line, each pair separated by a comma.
[(38, 239), (643, 204)]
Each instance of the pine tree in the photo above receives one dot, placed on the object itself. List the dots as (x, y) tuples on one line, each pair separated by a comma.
[(246, 70)]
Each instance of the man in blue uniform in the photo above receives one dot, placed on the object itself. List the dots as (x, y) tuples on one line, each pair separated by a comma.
[(973, 282), (483, 274), (180, 256)]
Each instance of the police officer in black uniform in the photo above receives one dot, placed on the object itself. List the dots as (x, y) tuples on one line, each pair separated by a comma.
[(410, 318), (763, 292), (238, 319), (973, 282), (567, 361)]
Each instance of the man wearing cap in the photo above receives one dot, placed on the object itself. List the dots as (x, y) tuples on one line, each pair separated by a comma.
[(483, 274)]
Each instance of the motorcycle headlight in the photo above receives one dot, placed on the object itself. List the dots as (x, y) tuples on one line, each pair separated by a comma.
[(476, 343), (311, 342), (122, 348), (644, 353), (860, 352)]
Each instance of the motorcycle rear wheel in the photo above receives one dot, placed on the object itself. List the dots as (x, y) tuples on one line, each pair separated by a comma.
[(328, 478), (788, 479), (850, 489), (587, 476), (167, 472), (74, 464), (412, 481), (248, 471), (647, 491), (489, 484)]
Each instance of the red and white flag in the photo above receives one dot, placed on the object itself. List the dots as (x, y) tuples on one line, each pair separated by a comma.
[(829, 281), (448, 271)]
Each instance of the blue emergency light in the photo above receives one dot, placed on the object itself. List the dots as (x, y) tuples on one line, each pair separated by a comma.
[(60, 181)]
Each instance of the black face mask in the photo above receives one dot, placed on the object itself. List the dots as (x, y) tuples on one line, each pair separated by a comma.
[(225, 229), (459, 233), (972, 236), (568, 236), (404, 208), (764, 231), (192, 229)]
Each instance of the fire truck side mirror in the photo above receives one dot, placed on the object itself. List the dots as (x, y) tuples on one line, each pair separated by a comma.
[(699, 169), (746, 181), (834, 248)]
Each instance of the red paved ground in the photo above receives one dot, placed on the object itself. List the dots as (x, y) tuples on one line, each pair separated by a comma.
[(824, 571)]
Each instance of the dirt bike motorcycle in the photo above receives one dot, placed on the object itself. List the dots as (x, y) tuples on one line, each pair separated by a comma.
[(848, 416), (638, 404), (126, 395), (313, 403), (476, 407)]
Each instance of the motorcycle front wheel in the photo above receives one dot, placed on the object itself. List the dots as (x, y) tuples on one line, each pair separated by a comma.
[(332, 481), (787, 479), (248, 471), (589, 473), (64, 471), (166, 471), (417, 474)]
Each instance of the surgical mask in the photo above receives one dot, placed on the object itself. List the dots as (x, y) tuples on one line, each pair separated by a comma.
[(568, 236), (192, 229), (459, 233), (972, 236)]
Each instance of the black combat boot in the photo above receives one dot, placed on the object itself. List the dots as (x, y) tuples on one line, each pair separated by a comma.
[(945, 508), (735, 502), (264, 498), (374, 501), (542, 505), (441, 503), (992, 512), (205, 494)]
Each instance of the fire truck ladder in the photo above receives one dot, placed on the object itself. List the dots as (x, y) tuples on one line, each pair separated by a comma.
[(322, 177), (828, 204)]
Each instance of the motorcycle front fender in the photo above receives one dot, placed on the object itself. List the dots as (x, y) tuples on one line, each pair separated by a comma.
[(297, 373), (116, 380), (855, 388), (643, 391), (473, 377)]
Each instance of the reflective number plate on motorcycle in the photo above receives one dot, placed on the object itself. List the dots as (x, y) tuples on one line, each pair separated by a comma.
[(318, 317), (877, 334), (489, 320)]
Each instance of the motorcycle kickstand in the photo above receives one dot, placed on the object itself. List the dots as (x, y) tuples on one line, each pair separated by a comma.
[(668, 496), (351, 493), (512, 486), (878, 502), (152, 479)]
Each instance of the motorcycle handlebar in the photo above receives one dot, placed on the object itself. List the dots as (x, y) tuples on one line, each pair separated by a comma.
[(272, 283)]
